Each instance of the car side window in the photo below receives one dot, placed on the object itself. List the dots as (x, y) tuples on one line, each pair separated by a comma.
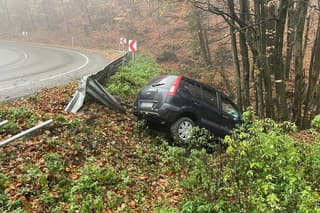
[(197, 92), (229, 109), (210, 97), (193, 90)]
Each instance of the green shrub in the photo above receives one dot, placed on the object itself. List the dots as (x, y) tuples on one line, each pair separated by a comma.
[(129, 79), (3, 186), (19, 119), (165, 210), (173, 157), (200, 174), (3, 182), (316, 122), (263, 170), (200, 138), (23, 114), (197, 206), (88, 192), (54, 164), (90, 203)]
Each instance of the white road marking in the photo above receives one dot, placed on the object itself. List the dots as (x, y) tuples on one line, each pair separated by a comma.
[(20, 60), (12, 87), (70, 71), (55, 76)]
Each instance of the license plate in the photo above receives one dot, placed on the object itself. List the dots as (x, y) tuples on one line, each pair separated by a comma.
[(146, 105)]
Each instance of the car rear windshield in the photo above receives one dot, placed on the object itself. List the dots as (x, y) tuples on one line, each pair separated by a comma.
[(163, 81)]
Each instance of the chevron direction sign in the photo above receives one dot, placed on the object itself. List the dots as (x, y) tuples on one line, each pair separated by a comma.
[(132, 45)]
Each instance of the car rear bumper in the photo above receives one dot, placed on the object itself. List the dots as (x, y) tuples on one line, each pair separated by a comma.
[(166, 114)]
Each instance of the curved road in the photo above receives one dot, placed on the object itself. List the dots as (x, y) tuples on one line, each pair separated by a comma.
[(26, 68)]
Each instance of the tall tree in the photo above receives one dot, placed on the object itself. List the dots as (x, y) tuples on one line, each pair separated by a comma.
[(278, 38), (244, 20), (313, 81), (236, 62), (201, 33), (301, 14), (278, 65)]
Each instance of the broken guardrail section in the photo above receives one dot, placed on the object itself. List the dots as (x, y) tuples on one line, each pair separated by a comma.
[(13, 138), (3, 122), (92, 85)]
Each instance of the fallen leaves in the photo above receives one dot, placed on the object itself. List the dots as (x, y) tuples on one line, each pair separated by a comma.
[(94, 132)]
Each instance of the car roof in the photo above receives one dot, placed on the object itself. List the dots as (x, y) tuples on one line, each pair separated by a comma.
[(202, 84)]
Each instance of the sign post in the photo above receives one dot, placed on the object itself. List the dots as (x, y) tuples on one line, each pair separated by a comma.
[(133, 49), (123, 41)]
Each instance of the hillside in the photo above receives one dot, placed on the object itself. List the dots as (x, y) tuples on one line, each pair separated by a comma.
[(97, 153), (101, 161)]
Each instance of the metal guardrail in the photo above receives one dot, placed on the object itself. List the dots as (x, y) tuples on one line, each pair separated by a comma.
[(92, 85), (3, 122), (13, 138)]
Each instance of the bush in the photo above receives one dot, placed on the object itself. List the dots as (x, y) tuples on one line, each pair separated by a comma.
[(88, 193), (201, 138), (19, 119), (129, 79), (3, 186), (316, 122), (266, 171)]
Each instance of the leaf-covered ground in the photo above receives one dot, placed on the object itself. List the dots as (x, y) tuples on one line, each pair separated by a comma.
[(63, 166)]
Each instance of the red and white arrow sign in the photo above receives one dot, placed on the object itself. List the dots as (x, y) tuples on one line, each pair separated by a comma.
[(132, 45), (123, 41)]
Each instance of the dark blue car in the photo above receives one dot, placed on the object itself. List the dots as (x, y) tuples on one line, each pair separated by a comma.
[(182, 103)]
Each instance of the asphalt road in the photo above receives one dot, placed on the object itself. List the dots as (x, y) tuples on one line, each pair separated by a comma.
[(27, 68)]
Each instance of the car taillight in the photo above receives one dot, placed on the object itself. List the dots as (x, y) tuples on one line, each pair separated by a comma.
[(175, 86)]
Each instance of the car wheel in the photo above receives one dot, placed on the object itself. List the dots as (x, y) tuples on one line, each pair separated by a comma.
[(181, 129)]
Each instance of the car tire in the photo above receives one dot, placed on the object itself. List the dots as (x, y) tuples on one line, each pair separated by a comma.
[(180, 130)]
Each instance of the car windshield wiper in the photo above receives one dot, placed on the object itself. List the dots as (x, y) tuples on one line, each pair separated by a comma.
[(156, 85)]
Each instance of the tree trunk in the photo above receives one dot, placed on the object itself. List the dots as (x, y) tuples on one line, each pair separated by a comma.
[(298, 61), (204, 46), (290, 38), (318, 100), (202, 37), (278, 61), (236, 63), (206, 42), (244, 11), (314, 74), (85, 10), (264, 74)]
